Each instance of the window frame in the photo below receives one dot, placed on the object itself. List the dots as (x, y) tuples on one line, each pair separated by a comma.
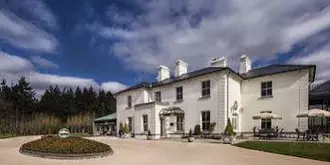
[(206, 120), (206, 88), (179, 123), (266, 123), (130, 123), (145, 122), (179, 94), (158, 96), (129, 101), (266, 89)]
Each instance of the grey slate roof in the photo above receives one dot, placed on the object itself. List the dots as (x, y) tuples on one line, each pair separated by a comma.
[(273, 69), (189, 75), (269, 70), (321, 89)]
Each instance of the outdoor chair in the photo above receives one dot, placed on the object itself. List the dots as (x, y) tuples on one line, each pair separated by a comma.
[(255, 133), (300, 134)]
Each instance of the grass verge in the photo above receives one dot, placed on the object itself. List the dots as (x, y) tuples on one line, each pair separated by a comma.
[(317, 151)]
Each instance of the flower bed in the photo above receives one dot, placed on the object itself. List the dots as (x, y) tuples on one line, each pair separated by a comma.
[(71, 147)]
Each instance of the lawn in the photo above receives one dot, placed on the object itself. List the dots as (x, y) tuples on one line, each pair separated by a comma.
[(317, 151)]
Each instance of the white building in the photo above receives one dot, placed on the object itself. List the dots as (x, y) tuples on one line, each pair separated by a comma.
[(173, 105)]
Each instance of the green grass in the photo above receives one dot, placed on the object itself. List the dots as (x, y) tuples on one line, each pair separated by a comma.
[(317, 151), (3, 136)]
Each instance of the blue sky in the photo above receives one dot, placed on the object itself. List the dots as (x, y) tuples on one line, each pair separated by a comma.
[(114, 44)]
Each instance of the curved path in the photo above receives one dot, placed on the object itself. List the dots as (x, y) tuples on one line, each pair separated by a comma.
[(143, 152)]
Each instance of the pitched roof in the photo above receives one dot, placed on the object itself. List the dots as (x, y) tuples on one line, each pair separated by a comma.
[(189, 75), (111, 116), (321, 89), (140, 85), (269, 70), (273, 69)]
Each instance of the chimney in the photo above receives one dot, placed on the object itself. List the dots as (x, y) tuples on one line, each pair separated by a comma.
[(163, 73), (180, 68), (244, 64), (219, 62)]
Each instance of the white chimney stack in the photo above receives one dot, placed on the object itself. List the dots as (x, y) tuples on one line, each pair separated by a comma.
[(219, 62), (180, 68), (163, 73), (244, 64)]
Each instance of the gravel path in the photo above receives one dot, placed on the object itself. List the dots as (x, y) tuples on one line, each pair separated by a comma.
[(143, 152)]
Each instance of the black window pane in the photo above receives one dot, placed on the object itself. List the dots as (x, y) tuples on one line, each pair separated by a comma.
[(269, 84), (269, 92), (263, 93), (263, 85)]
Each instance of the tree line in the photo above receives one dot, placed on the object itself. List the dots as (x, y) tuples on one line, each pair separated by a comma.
[(22, 113)]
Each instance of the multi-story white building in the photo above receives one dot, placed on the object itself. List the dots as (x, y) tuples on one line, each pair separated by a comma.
[(176, 104)]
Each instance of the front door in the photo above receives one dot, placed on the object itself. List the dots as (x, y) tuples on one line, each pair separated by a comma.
[(162, 126)]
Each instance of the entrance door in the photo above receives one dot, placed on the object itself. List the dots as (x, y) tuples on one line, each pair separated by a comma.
[(162, 126)]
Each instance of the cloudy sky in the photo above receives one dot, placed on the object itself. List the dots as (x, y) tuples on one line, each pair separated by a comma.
[(114, 44)]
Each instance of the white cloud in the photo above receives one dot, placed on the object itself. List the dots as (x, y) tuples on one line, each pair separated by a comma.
[(113, 86), (220, 28), (43, 62), (25, 35), (13, 67), (14, 64), (321, 58)]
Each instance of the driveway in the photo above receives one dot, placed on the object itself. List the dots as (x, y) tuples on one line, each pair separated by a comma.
[(143, 152)]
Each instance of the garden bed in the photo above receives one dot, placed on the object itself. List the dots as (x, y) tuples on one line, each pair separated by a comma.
[(310, 150), (65, 148)]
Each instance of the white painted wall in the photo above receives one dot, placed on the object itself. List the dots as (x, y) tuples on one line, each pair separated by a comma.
[(290, 91), (290, 96)]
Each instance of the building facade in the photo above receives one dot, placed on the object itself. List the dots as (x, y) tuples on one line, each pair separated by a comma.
[(174, 105)]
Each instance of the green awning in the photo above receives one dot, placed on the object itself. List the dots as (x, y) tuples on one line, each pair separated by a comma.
[(112, 116)]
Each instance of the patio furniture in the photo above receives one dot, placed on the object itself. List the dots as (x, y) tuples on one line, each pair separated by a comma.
[(299, 134), (255, 133)]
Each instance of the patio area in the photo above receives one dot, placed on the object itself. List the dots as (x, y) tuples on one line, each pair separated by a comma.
[(133, 151)]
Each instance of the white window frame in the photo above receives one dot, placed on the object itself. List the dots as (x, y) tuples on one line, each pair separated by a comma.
[(129, 101), (179, 94), (145, 126), (206, 88), (267, 89), (206, 123), (158, 96)]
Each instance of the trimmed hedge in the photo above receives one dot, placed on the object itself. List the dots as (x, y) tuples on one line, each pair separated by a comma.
[(70, 145)]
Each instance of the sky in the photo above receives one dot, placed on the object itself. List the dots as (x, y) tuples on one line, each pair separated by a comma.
[(114, 44)]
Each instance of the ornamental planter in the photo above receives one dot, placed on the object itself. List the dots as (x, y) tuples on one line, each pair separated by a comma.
[(229, 139), (191, 139)]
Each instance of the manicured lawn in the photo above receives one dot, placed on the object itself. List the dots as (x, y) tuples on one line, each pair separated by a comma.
[(317, 151)]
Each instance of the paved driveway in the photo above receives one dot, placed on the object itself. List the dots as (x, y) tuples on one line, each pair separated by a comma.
[(143, 152)]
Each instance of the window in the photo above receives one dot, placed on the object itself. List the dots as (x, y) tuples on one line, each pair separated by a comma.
[(129, 119), (158, 96), (266, 89), (205, 120), (234, 122), (178, 93), (145, 123), (266, 123), (206, 88), (129, 101), (179, 123)]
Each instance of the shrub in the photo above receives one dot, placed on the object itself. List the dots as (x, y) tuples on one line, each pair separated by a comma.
[(229, 131), (212, 127), (190, 133), (197, 130), (125, 128)]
